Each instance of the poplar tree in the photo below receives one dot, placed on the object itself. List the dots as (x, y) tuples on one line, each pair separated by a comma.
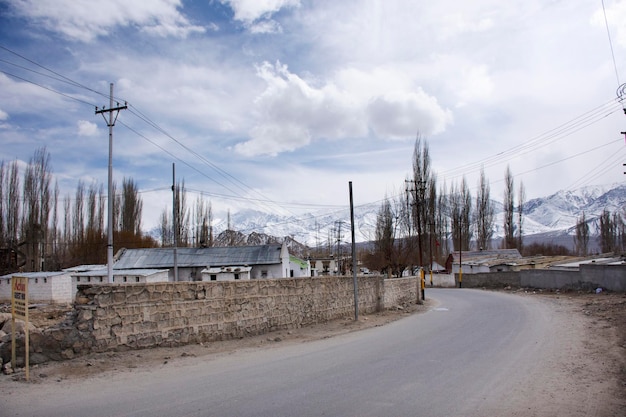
[(485, 213), (509, 241), (581, 239)]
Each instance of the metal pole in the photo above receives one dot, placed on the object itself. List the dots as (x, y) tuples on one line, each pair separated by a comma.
[(354, 261), (460, 261), (110, 124), (111, 196), (174, 222)]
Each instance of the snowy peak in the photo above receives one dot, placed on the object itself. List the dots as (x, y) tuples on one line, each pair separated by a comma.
[(557, 213)]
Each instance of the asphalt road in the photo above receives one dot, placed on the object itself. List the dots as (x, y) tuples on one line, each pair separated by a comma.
[(471, 355)]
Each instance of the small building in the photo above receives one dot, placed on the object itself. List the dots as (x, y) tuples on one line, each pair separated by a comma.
[(264, 261), (120, 276), (474, 262), (226, 273), (43, 287)]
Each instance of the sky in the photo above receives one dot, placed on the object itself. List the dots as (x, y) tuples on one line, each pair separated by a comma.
[(276, 105)]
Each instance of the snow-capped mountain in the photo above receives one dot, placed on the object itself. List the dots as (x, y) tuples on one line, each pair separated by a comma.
[(553, 218)]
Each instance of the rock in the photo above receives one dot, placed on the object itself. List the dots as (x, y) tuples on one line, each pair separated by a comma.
[(7, 369), (67, 354), (19, 327), (37, 358), (4, 317)]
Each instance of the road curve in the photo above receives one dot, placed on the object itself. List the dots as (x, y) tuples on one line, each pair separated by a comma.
[(475, 353)]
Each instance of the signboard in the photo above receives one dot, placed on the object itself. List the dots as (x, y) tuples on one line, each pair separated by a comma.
[(19, 298), (19, 311)]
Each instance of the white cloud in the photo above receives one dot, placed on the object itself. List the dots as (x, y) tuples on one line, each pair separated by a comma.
[(3, 115), (293, 111), (456, 24), (252, 10), (399, 115), (256, 15), (267, 26), (86, 128), (85, 20)]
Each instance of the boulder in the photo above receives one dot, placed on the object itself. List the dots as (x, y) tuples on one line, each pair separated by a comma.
[(4, 317), (19, 327)]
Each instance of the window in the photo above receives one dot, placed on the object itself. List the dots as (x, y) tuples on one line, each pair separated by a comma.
[(45, 280), (136, 279), (236, 276), (213, 277), (100, 279), (125, 279), (77, 279), (36, 280), (88, 279), (264, 274)]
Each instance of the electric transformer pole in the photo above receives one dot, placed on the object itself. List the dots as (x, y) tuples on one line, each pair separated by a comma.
[(110, 123)]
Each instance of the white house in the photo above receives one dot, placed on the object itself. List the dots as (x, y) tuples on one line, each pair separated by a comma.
[(226, 273), (263, 261), (120, 276), (43, 287)]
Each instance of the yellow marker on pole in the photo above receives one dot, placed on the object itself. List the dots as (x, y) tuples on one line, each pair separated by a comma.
[(19, 310)]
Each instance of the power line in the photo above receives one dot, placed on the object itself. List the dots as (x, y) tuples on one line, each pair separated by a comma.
[(608, 32)]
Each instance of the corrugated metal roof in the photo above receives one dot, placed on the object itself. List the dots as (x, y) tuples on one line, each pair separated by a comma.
[(156, 258), (119, 272), (34, 274)]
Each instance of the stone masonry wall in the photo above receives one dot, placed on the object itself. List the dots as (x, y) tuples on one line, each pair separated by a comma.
[(133, 316)]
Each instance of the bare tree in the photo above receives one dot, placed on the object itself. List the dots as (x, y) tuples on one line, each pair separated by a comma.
[(54, 230), (485, 213), (78, 216), (131, 208), (180, 225), (166, 229), (509, 241), (581, 239), (520, 216), (385, 236), (203, 223), (13, 205), (182, 215), (466, 215), (442, 225), (421, 178), (607, 232), (454, 201)]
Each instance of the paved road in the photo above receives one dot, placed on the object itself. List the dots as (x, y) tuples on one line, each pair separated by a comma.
[(471, 355)]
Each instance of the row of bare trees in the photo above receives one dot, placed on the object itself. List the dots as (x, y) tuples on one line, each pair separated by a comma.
[(422, 225), (41, 231), (611, 237), (193, 227)]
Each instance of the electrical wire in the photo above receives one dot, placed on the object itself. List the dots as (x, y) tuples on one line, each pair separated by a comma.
[(608, 32)]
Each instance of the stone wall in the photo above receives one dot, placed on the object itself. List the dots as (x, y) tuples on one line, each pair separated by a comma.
[(109, 317), (490, 279), (399, 291), (589, 277)]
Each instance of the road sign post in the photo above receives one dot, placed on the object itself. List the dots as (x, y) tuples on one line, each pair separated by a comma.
[(19, 310)]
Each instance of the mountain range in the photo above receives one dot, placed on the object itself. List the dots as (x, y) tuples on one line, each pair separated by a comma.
[(550, 219)]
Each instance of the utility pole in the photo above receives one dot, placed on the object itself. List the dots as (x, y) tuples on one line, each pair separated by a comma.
[(354, 260), (175, 221), (110, 123)]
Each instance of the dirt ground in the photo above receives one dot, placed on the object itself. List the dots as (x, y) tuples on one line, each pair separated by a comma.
[(603, 316)]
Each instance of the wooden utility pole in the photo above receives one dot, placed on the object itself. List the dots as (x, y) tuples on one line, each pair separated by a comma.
[(110, 123)]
